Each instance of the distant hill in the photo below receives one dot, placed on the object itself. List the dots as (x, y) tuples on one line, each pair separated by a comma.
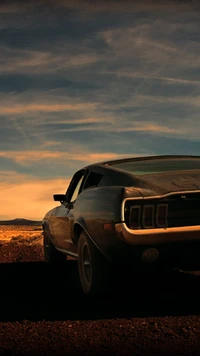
[(20, 222)]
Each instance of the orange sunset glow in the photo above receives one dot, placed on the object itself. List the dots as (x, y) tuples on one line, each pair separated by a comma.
[(83, 82)]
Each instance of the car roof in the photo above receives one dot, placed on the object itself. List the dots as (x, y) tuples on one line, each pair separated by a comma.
[(141, 158)]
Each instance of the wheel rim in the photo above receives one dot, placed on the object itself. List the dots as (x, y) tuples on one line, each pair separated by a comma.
[(87, 270)]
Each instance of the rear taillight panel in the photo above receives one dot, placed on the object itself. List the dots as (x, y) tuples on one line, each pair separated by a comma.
[(162, 215), (171, 210), (146, 216), (135, 217)]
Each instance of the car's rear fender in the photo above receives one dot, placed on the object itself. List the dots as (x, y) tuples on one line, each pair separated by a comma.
[(78, 228), (96, 212), (102, 204)]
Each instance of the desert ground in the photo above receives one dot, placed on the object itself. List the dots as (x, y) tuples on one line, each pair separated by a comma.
[(43, 311)]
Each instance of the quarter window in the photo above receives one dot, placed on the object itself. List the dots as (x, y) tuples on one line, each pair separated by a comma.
[(93, 180), (76, 189)]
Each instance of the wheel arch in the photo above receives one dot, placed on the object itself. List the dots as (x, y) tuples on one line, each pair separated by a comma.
[(78, 228), (77, 231)]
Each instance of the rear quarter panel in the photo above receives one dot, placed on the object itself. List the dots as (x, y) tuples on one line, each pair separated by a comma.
[(98, 206)]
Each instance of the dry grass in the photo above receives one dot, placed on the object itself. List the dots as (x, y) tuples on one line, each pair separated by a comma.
[(21, 244), (21, 234)]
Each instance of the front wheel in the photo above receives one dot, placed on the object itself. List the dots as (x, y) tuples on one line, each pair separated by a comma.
[(94, 269)]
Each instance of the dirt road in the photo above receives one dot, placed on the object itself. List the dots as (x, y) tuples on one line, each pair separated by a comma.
[(43, 312)]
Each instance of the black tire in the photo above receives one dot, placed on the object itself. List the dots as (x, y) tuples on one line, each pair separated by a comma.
[(94, 269), (51, 255)]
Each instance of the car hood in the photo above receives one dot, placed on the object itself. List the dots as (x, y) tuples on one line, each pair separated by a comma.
[(163, 183)]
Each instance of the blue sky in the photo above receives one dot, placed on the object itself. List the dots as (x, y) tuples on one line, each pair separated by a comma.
[(85, 81)]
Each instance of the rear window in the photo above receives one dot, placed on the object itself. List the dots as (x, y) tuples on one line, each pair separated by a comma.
[(157, 165)]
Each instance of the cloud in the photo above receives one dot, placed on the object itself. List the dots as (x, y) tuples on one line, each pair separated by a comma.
[(140, 38), (90, 6), (131, 73), (34, 101), (45, 120), (162, 48), (8, 177), (156, 128), (146, 101), (23, 109), (28, 157), (126, 6), (50, 144), (52, 60), (13, 7), (145, 75), (144, 41)]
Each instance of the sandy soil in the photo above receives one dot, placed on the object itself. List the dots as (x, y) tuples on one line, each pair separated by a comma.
[(43, 311)]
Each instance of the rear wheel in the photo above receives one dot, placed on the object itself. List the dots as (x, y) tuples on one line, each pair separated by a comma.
[(94, 269), (52, 256)]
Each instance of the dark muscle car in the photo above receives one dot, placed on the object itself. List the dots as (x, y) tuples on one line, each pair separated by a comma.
[(143, 212)]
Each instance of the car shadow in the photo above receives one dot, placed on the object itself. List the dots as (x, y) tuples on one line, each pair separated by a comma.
[(34, 291)]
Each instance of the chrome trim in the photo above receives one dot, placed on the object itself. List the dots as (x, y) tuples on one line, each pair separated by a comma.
[(157, 235), (184, 192), (123, 206), (152, 216), (139, 209), (165, 217), (66, 252)]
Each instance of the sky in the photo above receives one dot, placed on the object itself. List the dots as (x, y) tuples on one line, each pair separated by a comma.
[(87, 81)]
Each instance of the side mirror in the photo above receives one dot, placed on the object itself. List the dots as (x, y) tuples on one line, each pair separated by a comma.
[(59, 197)]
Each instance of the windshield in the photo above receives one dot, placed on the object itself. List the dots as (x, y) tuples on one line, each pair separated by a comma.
[(157, 165)]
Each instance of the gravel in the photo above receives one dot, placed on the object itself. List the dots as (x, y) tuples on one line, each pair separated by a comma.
[(43, 311)]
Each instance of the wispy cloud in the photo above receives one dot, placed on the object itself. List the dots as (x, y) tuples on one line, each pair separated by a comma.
[(165, 100), (147, 101), (23, 109), (156, 48), (28, 157), (145, 75), (40, 61), (156, 128)]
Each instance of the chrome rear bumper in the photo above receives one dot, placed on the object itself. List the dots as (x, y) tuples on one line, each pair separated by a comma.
[(157, 235)]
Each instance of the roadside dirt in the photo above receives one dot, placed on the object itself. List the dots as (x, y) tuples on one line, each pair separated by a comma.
[(43, 311)]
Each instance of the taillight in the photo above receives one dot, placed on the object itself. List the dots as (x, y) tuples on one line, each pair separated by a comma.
[(161, 215), (148, 216), (134, 217)]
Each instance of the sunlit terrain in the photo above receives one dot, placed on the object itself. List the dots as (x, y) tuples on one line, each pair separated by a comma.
[(27, 234)]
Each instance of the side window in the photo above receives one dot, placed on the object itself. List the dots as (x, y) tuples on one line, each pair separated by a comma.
[(76, 189), (93, 180)]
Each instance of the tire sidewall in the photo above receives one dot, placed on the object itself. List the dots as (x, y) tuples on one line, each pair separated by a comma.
[(82, 243), (100, 276)]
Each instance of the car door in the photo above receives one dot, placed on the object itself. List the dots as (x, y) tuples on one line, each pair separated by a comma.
[(63, 223)]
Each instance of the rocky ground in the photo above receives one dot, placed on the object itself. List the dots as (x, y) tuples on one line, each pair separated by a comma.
[(43, 311)]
